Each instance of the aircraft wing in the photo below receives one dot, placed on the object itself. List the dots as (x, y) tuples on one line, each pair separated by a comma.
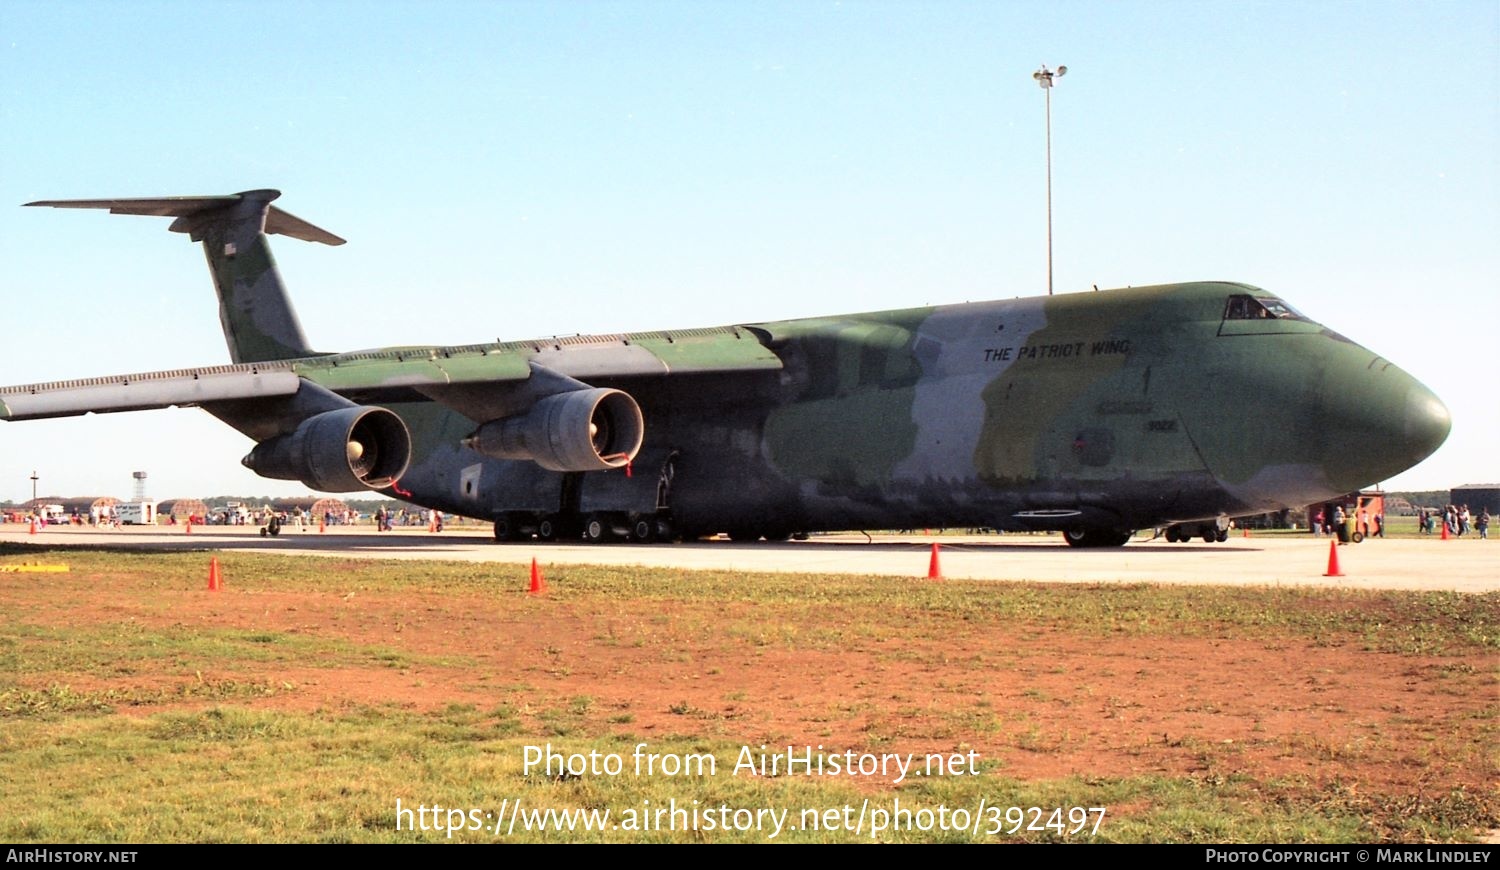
[(146, 391), (485, 382), (482, 382)]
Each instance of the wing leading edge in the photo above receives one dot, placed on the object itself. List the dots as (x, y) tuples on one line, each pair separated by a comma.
[(141, 392), (479, 381)]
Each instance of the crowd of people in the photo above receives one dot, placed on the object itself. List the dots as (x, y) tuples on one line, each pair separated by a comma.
[(1456, 520), (384, 519)]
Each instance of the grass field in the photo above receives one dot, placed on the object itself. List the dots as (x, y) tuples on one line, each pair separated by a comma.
[(310, 696)]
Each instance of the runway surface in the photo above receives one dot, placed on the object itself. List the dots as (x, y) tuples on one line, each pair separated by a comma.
[(1465, 565)]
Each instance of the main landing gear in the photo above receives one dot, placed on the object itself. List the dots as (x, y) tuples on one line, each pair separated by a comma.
[(1184, 532), (600, 527), (1096, 537), (608, 527)]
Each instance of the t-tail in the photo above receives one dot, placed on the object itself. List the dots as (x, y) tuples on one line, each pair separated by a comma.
[(259, 321)]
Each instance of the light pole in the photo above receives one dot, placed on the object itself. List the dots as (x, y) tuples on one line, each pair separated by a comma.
[(1044, 78), (33, 488)]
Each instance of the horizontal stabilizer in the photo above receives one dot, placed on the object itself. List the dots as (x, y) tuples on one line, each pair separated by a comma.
[(277, 221), (254, 308)]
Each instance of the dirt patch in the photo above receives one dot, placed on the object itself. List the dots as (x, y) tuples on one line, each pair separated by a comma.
[(1034, 701)]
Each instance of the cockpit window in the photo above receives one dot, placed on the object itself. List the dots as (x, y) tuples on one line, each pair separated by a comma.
[(1243, 307)]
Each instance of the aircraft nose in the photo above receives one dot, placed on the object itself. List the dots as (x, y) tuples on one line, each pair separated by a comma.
[(1427, 423), (1382, 422)]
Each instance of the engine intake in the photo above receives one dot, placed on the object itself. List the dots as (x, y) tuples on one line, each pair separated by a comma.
[(338, 451), (583, 430)]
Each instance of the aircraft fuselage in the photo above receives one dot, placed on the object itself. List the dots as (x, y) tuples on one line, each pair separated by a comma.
[(1118, 410)]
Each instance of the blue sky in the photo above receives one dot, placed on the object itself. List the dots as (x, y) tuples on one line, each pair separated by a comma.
[(509, 170)]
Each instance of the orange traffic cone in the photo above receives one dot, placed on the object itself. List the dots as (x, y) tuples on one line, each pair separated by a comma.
[(33, 528), (1445, 531), (1333, 560), (215, 580), (538, 585), (322, 525), (1244, 531), (934, 571), (187, 528)]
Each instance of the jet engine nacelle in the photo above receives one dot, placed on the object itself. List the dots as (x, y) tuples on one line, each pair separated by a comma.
[(338, 451), (582, 430)]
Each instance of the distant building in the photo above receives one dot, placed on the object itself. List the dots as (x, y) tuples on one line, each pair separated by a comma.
[(1400, 506), (1477, 496), (314, 507), (182, 508)]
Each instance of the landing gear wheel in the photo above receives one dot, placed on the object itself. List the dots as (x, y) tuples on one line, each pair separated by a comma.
[(1357, 537), (596, 529), (506, 530), (1172, 536), (547, 529), (1096, 537), (1209, 536), (643, 530), (1222, 536)]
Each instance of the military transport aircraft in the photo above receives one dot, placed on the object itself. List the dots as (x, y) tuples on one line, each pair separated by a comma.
[(1093, 414)]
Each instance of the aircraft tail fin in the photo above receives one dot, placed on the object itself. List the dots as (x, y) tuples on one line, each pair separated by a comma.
[(259, 321)]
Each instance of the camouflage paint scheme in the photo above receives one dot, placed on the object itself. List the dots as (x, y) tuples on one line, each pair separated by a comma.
[(1093, 413)]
